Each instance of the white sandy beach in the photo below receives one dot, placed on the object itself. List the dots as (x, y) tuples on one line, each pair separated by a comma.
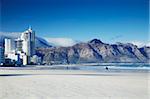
[(73, 84)]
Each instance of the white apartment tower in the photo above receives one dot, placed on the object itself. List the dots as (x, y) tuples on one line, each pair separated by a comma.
[(28, 43), (9, 46)]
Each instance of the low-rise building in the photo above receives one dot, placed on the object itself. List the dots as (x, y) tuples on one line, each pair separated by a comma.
[(36, 59)]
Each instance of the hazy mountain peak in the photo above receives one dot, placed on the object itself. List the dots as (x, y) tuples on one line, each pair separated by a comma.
[(96, 41), (125, 44)]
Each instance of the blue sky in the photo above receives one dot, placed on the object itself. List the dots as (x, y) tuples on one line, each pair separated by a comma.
[(108, 20)]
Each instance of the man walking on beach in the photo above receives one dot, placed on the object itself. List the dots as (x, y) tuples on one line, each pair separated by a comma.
[(106, 68)]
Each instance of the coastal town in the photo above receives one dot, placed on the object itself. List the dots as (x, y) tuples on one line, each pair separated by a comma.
[(20, 51)]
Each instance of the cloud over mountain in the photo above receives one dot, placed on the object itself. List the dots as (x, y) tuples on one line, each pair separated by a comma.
[(140, 43), (64, 42)]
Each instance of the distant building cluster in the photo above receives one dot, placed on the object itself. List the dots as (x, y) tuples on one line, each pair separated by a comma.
[(20, 51)]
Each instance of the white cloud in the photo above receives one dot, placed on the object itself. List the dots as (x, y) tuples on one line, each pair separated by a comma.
[(140, 43), (61, 41), (10, 34)]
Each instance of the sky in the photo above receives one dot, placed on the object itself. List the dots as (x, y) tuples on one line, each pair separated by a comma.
[(80, 20)]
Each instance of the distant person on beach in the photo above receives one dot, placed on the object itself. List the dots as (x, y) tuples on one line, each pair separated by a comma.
[(67, 67), (106, 68)]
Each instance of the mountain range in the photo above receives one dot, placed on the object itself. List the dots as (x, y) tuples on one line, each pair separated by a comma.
[(94, 51)]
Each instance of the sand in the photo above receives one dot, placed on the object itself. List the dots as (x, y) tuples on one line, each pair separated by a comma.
[(73, 84)]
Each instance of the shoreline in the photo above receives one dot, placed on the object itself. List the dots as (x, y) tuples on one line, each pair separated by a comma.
[(82, 68)]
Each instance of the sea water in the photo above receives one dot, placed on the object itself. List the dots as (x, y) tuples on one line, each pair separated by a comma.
[(93, 66), (117, 66)]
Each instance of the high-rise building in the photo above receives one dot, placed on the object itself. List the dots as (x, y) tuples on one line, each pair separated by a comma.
[(1, 55), (28, 44), (18, 44), (9, 45)]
